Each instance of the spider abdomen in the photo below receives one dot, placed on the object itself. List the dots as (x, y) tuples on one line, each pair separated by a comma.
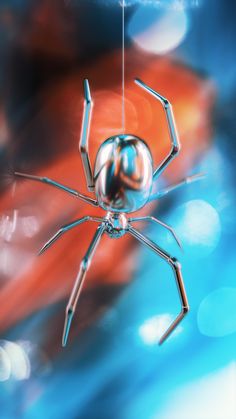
[(123, 174)]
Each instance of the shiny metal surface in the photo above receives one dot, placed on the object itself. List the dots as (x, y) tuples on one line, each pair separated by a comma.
[(123, 179), (84, 266), (155, 220), (58, 186), (66, 228), (116, 224), (175, 143), (83, 145), (168, 189), (123, 174), (175, 265)]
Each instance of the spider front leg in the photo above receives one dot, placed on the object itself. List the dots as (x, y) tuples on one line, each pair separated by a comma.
[(155, 220), (175, 265), (83, 145), (57, 185), (84, 266), (171, 126), (66, 228), (168, 189)]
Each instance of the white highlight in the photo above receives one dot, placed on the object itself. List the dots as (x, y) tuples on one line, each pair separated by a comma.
[(5, 365), (13, 225), (198, 224), (165, 34), (19, 363), (210, 397), (152, 329)]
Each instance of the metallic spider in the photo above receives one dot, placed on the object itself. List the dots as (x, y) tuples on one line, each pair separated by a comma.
[(122, 181)]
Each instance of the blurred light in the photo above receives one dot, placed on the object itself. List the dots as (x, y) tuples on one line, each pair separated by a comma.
[(5, 365), (13, 260), (198, 226), (210, 397), (14, 225), (14, 228), (19, 361), (158, 31), (30, 225), (40, 363), (217, 314), (161, 4), (8, 225), (152, 329)]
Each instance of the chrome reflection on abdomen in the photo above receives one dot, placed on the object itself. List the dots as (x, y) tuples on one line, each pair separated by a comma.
[(123, 174)]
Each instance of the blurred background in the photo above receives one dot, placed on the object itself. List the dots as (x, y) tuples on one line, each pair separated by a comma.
[(113, 366)]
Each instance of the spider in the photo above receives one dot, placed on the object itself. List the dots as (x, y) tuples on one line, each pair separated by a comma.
[(122, 181)]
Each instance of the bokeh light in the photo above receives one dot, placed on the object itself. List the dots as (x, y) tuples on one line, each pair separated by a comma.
[(217, 314), (198, 225), (152, 329), (158, 31), (5, 365), (19, 361), (113, 366), (210, 397)]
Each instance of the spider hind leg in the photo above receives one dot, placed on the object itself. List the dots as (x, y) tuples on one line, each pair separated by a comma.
[(175, 265), (84, 266)]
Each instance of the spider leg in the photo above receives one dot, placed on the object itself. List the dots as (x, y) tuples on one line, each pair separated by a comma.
[(59, 186), (185, 181), (175, 265), (155, 220), (84, 266), (83, 144), (171, 126), (66, 228)]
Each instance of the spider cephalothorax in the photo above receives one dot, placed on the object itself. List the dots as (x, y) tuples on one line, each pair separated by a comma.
[(116, 224), (122, 181)]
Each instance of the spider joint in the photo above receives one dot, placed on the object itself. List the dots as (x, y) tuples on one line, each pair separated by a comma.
[(185, 309), (175, 263)]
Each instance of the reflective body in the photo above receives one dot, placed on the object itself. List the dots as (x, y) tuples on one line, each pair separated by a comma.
[(116, 224), (123, 174), (122, 181)]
